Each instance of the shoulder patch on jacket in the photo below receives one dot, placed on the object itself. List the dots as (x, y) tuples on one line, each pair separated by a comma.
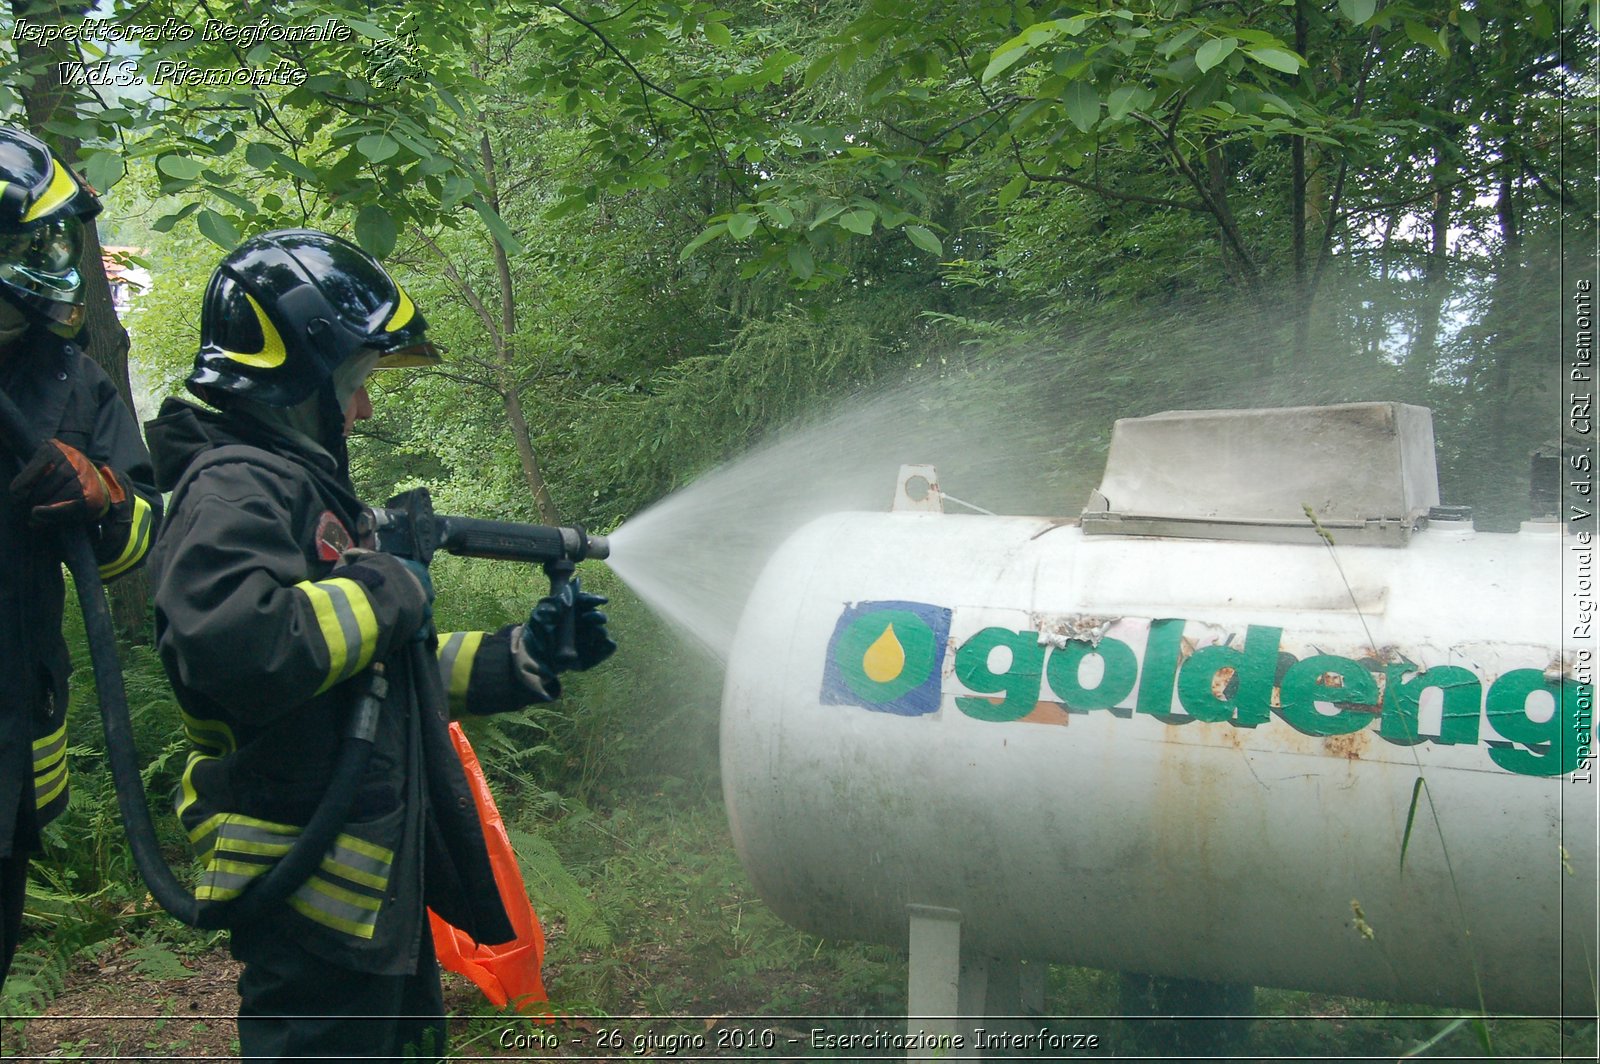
[(333, 539)]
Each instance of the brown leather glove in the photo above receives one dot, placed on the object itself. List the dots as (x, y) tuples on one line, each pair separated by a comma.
[(61, 484)]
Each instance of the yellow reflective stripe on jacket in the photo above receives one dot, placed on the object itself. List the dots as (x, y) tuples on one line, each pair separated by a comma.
[(349, 627), (240, 848), (49, 766), (138, 541), (359, 861), (215, 739), (212, 736), (188, 796), (334, 906), (456, 654), (259, 838), (338, 897), (199, 835), (224, 879), (236, 849)]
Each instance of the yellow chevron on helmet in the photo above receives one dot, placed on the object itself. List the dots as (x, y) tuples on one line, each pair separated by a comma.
[(61, 189), (272, 352)]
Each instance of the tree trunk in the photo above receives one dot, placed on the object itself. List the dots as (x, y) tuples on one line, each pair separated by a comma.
[(1424, 353), (1501, 351), (1378, 324), (531, 474), (1268, 315), (530, 459), (1297, 213), (44, 96)]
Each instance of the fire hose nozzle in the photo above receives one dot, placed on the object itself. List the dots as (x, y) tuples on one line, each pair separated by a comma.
[(593, 545), (407, 526)]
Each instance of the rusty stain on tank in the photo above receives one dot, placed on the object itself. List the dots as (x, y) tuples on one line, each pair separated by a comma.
[(1220, 681), (1348, 746)]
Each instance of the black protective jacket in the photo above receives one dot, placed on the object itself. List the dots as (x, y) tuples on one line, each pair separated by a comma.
[(65, 396), (265, 643)]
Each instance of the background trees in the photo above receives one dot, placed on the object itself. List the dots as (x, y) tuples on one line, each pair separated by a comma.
[(712, 216)]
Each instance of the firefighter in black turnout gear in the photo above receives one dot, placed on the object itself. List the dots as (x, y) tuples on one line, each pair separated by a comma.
[(269, 616), (92, 469)]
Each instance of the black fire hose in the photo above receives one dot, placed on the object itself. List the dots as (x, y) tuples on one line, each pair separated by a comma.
[(306, 853)]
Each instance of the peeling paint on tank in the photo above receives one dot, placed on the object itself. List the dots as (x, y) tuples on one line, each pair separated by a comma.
[(1057, 631), (1048, 713)]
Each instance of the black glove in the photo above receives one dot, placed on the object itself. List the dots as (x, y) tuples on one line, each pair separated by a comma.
[(541, 634), (61, 484)]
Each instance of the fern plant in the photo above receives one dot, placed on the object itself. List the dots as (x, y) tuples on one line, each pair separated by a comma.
[(35, 979)]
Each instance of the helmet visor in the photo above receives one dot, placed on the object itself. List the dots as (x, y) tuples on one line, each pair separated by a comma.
[(44, 260), (423, 354)]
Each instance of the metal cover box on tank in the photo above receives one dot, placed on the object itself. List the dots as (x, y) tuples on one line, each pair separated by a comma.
[(1183, 756), (1365, 469)]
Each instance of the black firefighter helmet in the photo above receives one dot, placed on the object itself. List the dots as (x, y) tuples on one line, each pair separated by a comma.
[(42, 208), (285, 309)]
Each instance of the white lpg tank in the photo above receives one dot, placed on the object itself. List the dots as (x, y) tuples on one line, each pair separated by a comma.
[(1197, 733)]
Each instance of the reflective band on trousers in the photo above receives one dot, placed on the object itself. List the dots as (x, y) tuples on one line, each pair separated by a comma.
[(138, 541), (349, 628), (49, 766), (344, 894)]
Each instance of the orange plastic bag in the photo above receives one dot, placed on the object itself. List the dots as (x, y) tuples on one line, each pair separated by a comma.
[(509, 971)]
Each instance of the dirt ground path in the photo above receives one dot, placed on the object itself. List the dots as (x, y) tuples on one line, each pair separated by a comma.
[(117, 1007), (110, 1008)]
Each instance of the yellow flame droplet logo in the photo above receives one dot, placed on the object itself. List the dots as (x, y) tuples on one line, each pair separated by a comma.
[(885, 658)]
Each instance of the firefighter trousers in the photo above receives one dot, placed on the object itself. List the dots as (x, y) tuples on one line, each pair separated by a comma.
[(294, 1005), (13, 892)]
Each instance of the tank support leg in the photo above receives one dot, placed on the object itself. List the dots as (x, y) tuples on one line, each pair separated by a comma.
[(1013, 1000), (1016, 988), (937, 983), (952, 989)]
